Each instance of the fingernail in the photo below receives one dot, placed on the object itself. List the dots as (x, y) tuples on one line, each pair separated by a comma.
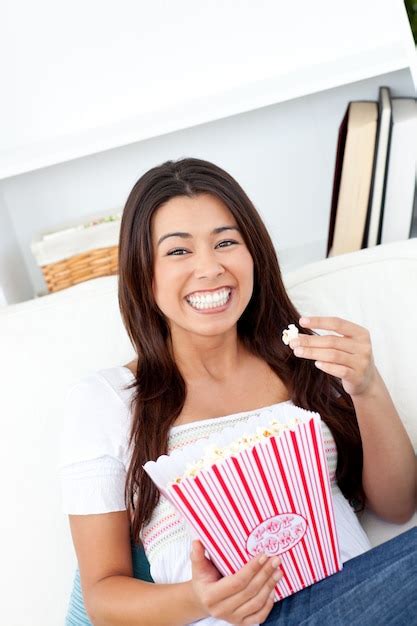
[(262, 559), (276, 561)]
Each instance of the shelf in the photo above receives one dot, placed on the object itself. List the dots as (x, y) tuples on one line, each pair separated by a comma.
[(76, 87), (213, 106)]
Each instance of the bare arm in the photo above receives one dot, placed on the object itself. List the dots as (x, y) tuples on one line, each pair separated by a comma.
[(389, 474), (124, 601), (112, 596), (389, 464)]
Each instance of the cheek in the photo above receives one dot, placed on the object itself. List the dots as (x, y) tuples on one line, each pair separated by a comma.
[(165, 285), (246, 266), (247, 279), (158, 287)]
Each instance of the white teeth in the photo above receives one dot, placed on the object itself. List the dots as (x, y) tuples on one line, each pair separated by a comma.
[(206, 301)]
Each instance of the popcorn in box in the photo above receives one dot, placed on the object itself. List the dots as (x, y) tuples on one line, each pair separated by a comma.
[(262, 486)]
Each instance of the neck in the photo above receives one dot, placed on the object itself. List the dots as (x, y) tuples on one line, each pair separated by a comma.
[(216, 358)]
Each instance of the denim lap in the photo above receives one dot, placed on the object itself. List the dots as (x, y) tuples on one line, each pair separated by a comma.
[(376, 588)]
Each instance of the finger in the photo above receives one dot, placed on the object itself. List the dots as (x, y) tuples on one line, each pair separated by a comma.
[(344, 344), (201, 567), (339, 371), (234, 583), (259, 616), (258, 568), (197, 551), (257, 602), (339, 325), (263, 581), (329, 356)]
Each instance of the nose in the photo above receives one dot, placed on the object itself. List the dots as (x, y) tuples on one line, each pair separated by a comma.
[(207, 265)]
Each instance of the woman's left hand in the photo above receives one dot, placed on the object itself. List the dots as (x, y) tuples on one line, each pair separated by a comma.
[(348, 357)]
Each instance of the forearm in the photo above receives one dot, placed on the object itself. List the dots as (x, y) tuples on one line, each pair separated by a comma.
[(389, 464), (126, 601)]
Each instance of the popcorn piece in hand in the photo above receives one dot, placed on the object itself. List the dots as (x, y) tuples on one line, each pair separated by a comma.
[(289, 333)]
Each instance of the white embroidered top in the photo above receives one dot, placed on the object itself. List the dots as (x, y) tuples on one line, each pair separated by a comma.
[(94, 459)]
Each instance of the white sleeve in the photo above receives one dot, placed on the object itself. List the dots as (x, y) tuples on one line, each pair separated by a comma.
[(95, 486), (93, 445)]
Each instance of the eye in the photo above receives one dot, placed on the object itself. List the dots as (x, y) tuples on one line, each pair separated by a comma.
[(174, 252), (180, 250), (227, 241)]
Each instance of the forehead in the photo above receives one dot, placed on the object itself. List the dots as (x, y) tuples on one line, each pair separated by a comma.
[(198, 214)]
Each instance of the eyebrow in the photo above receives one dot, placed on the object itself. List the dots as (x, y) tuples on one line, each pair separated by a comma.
[(216, 231)]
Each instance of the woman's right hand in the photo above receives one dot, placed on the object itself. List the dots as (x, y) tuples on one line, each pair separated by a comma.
[(244, 598)]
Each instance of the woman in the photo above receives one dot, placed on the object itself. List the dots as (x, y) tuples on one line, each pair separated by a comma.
[(203, 302)]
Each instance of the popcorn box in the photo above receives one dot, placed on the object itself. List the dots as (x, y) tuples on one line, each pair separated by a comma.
[(272, 496)]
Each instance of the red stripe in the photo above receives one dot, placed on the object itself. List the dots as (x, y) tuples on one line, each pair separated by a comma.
[(221, 520), (297, 569), (248, 491), (284, 478), (307, 456), (326, 504), (262, 473), (274, 506), (313, 519), (309, 563), (202, 526), (293, 509), (230, 498)]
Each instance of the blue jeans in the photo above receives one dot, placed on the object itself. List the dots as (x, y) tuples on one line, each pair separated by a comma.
[(376, 588)]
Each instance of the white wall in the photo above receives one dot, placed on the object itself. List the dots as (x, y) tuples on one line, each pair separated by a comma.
[(283, 155), (15, 283)]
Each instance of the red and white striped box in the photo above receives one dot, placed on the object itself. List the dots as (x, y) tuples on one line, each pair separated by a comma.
[(273, 497)]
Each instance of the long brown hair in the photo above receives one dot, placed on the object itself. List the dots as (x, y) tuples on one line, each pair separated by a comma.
[(159, 389)]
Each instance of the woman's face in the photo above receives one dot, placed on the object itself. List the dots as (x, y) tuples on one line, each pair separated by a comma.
[(203, 272)]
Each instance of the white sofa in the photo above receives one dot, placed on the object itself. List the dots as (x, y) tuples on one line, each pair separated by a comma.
[(50, 342)]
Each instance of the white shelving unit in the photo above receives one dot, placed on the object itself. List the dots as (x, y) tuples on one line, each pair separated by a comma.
[(261, 92)]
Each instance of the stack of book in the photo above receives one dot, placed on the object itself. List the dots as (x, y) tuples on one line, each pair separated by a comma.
[(374, 199)]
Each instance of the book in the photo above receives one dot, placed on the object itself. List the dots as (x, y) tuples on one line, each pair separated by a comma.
[(352, 179), (378, 185), (341, 143), (401, 175), (413, 230)]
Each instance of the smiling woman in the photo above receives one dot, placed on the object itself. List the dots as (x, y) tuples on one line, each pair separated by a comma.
[(203, 302), (200, 274)]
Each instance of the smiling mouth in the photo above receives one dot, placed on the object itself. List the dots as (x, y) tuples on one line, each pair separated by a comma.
[(201, 303)]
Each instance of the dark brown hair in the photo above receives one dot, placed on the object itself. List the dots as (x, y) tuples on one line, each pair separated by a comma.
[(159, 389)]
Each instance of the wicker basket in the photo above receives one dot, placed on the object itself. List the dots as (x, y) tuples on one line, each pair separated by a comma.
[(79, 253)]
